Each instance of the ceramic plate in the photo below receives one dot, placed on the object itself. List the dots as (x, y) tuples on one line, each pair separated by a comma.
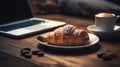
[(93, 40)]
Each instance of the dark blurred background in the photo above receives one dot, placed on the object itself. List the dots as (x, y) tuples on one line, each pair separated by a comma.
[(78, 8)]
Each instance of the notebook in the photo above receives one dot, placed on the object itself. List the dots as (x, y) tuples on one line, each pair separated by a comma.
[(16, 19)]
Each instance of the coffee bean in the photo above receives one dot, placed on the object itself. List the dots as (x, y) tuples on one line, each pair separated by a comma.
[(28, 55), (23, 52), (34, 52), (40, 54), (26, 49), (106, 58), (100, 54), (26, 52), (113, 55)]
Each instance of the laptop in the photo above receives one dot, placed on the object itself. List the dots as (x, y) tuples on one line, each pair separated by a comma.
[(16, 19)]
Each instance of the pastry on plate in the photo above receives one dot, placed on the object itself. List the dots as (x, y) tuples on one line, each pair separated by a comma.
[(68, 35)]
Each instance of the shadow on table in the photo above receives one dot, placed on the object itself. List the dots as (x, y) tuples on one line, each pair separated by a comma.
[(112, 38), (70, 51)]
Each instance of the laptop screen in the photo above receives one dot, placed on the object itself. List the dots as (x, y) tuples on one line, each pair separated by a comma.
[(14, 10)]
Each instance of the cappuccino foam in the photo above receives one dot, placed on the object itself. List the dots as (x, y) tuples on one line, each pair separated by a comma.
[(104, 15)]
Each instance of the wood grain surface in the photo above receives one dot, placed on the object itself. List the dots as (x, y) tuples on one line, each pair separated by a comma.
[(10, 48)]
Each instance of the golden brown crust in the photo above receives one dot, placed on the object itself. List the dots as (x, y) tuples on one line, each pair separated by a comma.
[(68, 35)]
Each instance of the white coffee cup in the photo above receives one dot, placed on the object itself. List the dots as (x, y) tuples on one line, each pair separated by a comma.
[(105, 21)]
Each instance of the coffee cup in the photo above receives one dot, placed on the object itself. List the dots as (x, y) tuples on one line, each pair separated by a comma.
[(105, 21)]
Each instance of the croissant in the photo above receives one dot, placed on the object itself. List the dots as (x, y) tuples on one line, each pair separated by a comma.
[(68, 35)]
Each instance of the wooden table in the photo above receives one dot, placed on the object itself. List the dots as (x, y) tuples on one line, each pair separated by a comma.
[(10, 50)]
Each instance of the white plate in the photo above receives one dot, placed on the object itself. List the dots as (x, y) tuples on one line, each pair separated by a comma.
[(93, 40), (96, 29)]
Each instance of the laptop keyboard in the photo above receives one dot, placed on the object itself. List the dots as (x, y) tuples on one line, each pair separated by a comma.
[(21, 25)]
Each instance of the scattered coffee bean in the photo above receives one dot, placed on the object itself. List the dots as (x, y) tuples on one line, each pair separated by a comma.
[(40, 54), (100, 54), (34, 52), (26, 52), (106, 58), (23, 52), (107, 55), (113, 55), (27, 49), (28, 55)]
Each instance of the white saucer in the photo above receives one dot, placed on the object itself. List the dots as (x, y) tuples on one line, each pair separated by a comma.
[(96, 29), (104, 34)]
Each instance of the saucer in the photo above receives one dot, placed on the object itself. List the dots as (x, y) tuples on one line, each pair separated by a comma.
[(104, 34), (94, 28)]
